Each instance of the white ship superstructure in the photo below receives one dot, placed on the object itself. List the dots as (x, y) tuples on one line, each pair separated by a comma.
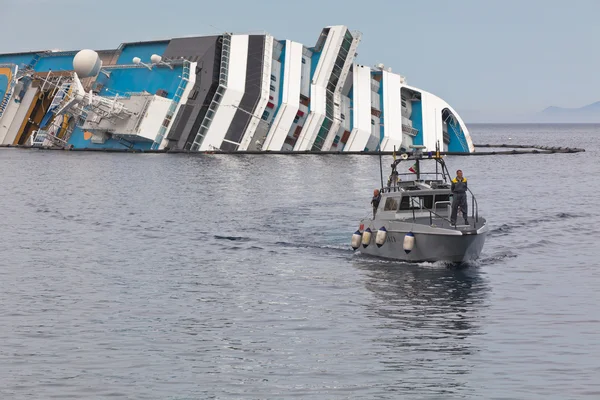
[(230, 92)]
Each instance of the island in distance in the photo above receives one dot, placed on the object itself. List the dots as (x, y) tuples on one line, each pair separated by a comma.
[(586, 114)]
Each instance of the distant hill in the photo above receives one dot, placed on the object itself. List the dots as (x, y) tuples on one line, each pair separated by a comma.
[(589, 113), (586, 114)]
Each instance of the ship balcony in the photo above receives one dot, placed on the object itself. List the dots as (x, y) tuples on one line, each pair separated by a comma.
[(409, 130)]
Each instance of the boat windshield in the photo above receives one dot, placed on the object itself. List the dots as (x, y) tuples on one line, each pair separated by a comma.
[(431, 202), (391, 204)]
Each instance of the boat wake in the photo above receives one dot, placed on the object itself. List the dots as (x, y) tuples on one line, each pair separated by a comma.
[(335, 247), (233, 238), (507, 229), (495, 258)]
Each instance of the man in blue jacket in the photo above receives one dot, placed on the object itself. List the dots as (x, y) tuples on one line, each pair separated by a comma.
[(459, 192)]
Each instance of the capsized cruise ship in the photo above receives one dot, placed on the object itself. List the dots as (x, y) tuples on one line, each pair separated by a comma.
[(230, 92)]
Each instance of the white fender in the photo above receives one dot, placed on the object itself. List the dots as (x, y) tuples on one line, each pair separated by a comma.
[(381, 236), (356, 239), (409, 242), (366, 237)]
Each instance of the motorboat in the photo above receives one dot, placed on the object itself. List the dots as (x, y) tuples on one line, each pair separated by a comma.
[(413, 219)]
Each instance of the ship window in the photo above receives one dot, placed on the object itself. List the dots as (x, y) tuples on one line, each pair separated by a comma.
[(442, 197), (427, 201), (391, 204), (439, 198), (273, 78), (304, 61), (405, 203), (416, 202), (265, 115), (272, 87)]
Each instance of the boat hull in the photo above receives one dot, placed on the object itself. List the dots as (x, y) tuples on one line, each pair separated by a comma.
[(466, 246)]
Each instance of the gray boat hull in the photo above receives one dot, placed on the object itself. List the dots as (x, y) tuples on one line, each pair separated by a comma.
[(456, 248)]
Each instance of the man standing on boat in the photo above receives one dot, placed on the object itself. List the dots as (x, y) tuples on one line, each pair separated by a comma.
[(459, 191), (375, 201)]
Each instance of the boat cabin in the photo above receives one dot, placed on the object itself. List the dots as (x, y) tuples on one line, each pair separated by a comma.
[(423, 197), (414, 199)]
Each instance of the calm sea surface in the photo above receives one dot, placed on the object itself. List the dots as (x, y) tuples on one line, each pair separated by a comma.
[(187, 277)]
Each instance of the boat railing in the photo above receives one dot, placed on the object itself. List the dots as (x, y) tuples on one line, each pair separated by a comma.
[(432, 213), (474, 207), (444, 202), (389, 189)]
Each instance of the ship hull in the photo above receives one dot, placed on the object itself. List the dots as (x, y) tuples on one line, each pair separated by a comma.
[(455, 248)]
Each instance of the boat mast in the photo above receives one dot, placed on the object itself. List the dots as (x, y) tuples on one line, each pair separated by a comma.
[(418, 155)]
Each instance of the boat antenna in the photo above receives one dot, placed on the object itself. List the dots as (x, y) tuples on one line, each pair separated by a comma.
[(380, 165), (437, 152)]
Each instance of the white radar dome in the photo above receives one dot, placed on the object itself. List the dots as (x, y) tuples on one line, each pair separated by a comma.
[(87, 63), (155, 59)]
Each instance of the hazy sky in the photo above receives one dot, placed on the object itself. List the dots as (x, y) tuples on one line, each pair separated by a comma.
[(487, 58)]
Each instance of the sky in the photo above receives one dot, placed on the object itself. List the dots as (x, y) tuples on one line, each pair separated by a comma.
[(491, 60)]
